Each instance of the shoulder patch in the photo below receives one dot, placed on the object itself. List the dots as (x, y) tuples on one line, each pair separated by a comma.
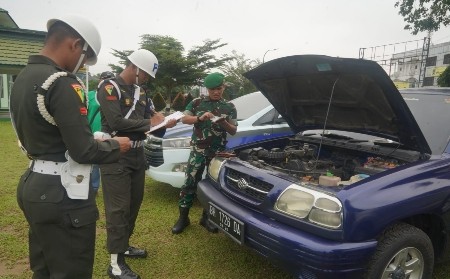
[(79, 90), (109, 88)]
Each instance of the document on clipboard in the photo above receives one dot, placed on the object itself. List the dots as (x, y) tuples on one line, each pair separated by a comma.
[(176, 115)]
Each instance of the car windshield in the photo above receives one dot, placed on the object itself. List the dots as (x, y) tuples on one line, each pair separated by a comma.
[(250, 104), (432, 112)]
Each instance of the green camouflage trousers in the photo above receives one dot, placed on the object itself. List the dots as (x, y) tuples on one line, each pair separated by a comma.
[(198, 160)]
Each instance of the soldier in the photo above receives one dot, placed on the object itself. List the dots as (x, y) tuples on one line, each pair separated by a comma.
[(49, 111), (213, 118), (125, 112)]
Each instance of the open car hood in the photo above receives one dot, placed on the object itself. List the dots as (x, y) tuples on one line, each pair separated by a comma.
[(322, 92)]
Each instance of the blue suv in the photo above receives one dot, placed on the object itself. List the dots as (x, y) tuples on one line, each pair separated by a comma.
[(363, 188)]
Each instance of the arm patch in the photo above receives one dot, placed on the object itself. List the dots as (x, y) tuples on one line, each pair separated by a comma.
[(79, 90)]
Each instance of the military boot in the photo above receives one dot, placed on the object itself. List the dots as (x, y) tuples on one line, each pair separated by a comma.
[(118, 269), (207, 224), (134, 252), (183, 221)]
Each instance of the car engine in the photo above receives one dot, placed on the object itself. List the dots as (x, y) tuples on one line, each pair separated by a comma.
[(309, 161)]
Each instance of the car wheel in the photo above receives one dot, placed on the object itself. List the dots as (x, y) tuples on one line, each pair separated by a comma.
[(403, 252)]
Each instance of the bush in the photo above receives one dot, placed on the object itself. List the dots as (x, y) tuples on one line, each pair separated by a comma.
[(444, 79), (178, 102), (159, 102)]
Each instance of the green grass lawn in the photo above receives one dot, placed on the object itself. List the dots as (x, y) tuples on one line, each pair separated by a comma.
[(193, 254)]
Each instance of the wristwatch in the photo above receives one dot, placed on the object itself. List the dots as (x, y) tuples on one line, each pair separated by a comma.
[(198, 119)]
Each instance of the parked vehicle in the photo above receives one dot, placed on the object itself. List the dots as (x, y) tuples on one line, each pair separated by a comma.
[(257, 119), (361, 191)]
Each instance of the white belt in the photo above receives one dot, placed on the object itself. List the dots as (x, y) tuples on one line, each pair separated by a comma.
[(136, 143), (46, 167)]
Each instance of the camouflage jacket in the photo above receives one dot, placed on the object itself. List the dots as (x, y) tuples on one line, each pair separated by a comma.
[(207, 134)]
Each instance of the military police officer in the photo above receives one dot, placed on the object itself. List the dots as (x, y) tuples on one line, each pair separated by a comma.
[(213, 118), (125, 112), (48, 109)]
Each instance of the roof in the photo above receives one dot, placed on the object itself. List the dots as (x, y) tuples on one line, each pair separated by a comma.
[(16, 45), (6, 20)]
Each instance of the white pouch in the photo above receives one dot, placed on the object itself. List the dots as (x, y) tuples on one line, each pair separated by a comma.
[(75, 178)]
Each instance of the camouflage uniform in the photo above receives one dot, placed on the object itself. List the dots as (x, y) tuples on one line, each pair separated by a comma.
[(207, 139)]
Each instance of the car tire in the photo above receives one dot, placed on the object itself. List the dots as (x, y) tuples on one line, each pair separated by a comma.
[(399, 247)]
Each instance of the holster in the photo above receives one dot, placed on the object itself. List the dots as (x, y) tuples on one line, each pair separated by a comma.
[(75, 178)]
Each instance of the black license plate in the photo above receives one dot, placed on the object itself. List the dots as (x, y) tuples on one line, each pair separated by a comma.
[(227, 223)]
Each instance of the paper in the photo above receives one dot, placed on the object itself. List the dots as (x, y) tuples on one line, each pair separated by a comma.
[(218, 118), (176, 115)]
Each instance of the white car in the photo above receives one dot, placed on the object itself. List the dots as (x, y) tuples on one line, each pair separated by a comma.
[(258, 120)]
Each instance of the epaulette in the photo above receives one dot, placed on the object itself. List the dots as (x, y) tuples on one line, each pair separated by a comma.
[(44, 88)]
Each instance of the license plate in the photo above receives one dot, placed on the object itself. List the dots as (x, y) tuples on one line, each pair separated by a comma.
[(227, 223)]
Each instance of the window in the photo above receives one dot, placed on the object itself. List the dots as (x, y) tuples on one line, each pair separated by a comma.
[(428, 81), (249, 104), (431, 61), (447, 59), (266, 119)]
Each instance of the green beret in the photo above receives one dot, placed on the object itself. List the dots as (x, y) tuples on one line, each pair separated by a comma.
[(213, 80)]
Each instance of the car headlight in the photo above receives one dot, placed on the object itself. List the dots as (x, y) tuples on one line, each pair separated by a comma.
[(214, 167), (177, 143), (181, 167), (316, 207)]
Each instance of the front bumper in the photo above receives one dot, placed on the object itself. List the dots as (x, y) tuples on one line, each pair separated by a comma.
[(166, 171), (303, 254)]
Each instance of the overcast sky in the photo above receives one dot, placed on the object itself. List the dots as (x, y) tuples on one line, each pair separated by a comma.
[(251, 27)]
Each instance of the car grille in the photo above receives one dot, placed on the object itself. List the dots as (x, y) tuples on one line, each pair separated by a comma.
[(154, 152), (247, 185)]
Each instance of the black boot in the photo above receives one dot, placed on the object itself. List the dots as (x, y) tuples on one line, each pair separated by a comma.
[(183, 221), (207, 224), (118, 268), (134, 252)]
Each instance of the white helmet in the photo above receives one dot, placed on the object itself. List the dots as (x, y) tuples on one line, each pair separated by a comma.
[(145, 60), (86, 29)]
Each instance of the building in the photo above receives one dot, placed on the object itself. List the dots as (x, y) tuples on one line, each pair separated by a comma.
[(407, 65), (419, 64), (15, 46)]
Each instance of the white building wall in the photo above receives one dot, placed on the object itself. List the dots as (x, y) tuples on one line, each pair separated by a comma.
[(407, 65)]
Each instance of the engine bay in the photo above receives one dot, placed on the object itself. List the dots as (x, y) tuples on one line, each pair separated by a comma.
[(328, 162)]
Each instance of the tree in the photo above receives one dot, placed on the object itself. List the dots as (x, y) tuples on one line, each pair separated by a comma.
[(424, 15), (122, 55), (178, 102), (188, 99), (169, 52), (234, 70), (201, 61), (159, 102), (93, 82), (444, 79), (175, 68)]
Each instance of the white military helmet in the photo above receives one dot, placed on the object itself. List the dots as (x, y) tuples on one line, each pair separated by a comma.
[(145, 60), (86, 29)]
